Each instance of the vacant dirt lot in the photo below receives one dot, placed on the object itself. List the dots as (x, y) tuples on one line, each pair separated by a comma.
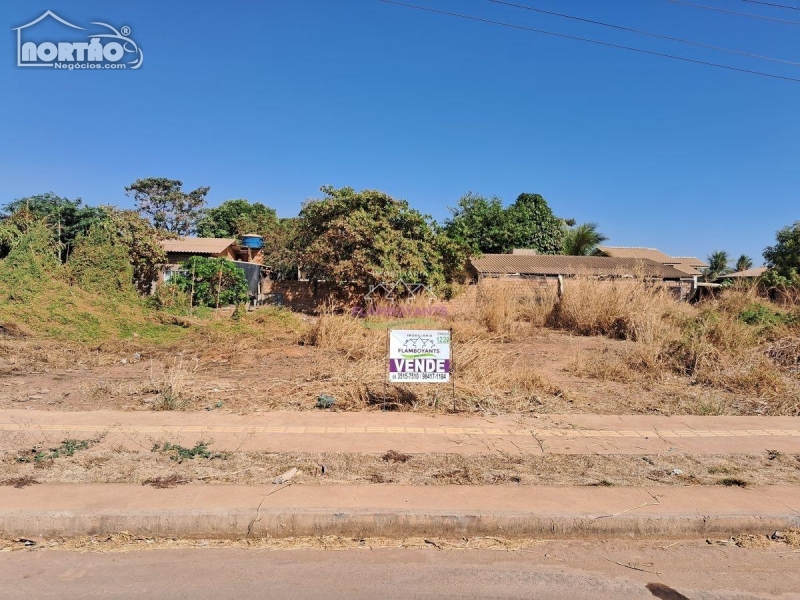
[(549, 372)]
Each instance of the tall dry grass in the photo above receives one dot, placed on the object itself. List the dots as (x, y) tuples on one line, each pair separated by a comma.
[(351, 366), (738, 342)]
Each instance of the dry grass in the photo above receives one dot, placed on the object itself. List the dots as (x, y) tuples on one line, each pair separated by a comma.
[(719, 344), (261, 467), (126, 542)]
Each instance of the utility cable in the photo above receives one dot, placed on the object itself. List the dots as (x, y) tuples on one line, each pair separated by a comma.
[(773, 4), (592, 41), (734, 12), (648, 33)]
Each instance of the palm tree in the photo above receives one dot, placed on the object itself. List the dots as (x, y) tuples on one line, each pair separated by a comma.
[(744, 263), (717, 265), (582, 240)]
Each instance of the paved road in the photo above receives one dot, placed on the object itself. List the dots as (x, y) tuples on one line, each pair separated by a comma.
[(551, 570), (412, 432)]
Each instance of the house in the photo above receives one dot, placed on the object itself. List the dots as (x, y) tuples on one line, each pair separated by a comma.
[(523, 266), (550, 271), (749, 274), (248, 256), (689, 265), (182, 249)]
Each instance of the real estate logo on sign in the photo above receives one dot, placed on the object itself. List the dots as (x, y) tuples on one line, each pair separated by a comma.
[(107, 48), (419, 356)]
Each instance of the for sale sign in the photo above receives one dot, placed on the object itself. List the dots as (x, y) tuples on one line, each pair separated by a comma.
[(419, 356)]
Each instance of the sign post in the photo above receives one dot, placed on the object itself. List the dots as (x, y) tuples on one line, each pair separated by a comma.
[(419, 356)]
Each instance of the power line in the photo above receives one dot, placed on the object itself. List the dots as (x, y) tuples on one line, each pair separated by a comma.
[(773, 4), (591, 41), (735, 12), (648, 33)]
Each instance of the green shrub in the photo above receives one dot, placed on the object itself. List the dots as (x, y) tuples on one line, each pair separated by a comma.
[(212, 282), (100, 265)]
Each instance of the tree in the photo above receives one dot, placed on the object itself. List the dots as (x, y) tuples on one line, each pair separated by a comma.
[(66, 218), (212, 282), (142, 242), (717, 265), (533, 225), (280, 253), (582, 240), (366, 237), (784, 257), (235, 218), (485, 226), (744, 262), (166, 205), (479, 223)]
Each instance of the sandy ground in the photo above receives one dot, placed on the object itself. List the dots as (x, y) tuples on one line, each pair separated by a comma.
[(405, 569), (290, 376)]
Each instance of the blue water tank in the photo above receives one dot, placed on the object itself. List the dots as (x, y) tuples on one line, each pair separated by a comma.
[(252, 241)]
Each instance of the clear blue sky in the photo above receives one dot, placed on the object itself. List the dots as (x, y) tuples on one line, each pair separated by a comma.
[(269, 100)]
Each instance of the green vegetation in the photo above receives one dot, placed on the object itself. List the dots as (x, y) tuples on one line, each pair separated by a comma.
[(66, 220), (235, 218), (582, 240), (180, 453), (67, 448), (743, 263), (212, 282), (366, 238), (784, 257), (484, 226), (165, 203)]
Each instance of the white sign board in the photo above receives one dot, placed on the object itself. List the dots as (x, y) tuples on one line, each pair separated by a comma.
[(419, 356)]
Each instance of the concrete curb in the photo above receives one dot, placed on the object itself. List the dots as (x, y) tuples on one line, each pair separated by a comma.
[(216, 511), (382, 523)]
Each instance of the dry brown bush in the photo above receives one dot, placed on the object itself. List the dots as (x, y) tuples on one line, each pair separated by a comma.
[(500, 306), (629, 309)]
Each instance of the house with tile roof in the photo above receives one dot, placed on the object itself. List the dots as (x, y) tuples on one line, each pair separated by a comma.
[(689, 265), (534, 265)]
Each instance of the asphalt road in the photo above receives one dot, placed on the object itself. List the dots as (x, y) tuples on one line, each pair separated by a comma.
[(591, 570)]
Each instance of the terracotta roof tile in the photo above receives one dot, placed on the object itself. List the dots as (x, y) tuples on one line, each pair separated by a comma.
[(197, 245)]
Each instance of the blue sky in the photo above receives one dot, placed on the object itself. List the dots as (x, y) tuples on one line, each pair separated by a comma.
[(270, 100)]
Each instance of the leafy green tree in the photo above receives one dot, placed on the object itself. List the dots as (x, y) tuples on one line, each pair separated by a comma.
[(366, 237), (212, 282), (67, 219), (533, 225), (280, 253), (717, 265), (485, 226), (168, 207), (784, 257), (235, 218), (582, 240), (479, 223), (744, 262)]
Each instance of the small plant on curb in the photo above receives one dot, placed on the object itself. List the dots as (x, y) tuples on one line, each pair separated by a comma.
[(67, 448), (180, 453)]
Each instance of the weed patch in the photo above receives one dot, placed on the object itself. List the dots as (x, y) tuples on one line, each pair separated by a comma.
[(180, 453), (66, 449)]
